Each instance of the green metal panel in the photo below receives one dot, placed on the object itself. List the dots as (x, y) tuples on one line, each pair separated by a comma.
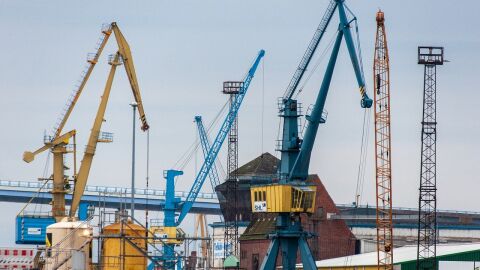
[(468, 256)]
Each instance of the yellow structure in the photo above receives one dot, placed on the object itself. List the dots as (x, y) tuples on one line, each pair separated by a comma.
[(169, 235), (283, 198), (120, 253)]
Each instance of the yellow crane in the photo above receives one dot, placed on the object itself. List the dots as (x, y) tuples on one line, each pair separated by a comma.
[(123, 56), (58, 143), (201, 226)]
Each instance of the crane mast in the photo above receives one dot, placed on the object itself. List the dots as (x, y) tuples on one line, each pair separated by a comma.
[(383, 153)]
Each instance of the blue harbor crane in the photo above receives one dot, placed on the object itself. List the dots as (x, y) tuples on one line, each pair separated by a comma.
[(291, 195), (205, 142), (171, 234)]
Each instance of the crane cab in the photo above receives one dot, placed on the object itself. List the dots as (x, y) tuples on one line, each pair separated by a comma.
[(283, 198), (169, 235)]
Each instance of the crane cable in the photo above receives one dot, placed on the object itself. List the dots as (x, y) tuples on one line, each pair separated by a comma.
[(307, 79), (365, 134), (317, 63), (185, 159), (45, 171)]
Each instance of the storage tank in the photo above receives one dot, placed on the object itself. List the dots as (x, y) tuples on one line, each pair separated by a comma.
[(117, 251), (68, 245)]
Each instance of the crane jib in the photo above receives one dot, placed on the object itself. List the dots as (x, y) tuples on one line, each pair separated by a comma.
[(219, 139), (312, 47)]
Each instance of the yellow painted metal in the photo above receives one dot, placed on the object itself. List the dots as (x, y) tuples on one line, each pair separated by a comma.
[(58, 143), (201, 225), (283, 198), (120, 254), (58, 147), (82, 176), (106, 34), (125, 52), (169, 235), (124, 57)]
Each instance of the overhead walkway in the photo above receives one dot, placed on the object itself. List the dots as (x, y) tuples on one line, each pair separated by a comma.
[(109, 197)]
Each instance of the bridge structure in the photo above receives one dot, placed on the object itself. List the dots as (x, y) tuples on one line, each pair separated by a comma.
[(103, 196), (454, 226)]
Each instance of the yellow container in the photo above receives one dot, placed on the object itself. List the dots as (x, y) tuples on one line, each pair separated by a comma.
[(283, 198), (117, 251)]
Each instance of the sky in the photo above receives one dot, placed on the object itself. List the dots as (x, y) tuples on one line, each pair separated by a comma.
[(184, 50)]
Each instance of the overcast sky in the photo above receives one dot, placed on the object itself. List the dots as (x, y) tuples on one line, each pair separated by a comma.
[(184, 50)]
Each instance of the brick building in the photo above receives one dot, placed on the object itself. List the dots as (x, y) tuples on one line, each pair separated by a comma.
[(332, 238)]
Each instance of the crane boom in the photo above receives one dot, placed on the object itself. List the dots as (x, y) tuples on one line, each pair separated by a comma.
[(312, 47), (220, 138), (300, 168), (127, 58), (123, 56), (205, 142), (85, 76), (82, 176), (383, 170)]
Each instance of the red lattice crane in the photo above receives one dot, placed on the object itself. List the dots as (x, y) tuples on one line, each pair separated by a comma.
[(383, 155)]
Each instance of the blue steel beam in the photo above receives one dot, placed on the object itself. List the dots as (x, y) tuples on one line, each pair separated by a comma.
[(110, 201)]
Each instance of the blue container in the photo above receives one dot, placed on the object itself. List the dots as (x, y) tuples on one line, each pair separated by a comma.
[(32, 229)]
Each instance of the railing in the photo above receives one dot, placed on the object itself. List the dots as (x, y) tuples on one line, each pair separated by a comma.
[(350, 206), (107, 190)]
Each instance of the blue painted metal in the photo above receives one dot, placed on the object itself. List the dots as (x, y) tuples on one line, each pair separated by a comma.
[(312, 47), (205, 142), (217, 143), (299, 171), (83, 210), (296, 153), (109, 201), (24, 185), (32, 229), (171, 203)]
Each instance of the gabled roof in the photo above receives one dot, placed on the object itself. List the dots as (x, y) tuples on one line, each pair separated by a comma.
[(260, 228), (265, 164)]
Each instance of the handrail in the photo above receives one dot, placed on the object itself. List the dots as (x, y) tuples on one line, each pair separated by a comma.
[(107, 190)]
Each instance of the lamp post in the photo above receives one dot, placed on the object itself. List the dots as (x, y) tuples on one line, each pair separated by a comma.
[(132, 206)]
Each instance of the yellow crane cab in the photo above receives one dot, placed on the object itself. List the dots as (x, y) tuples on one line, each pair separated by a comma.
[(283, 198)]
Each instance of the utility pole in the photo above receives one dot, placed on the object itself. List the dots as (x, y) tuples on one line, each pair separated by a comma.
[(430, 57), (383, 153), (132, 206)]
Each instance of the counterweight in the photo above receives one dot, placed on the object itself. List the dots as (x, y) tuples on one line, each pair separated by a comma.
[(383, 169)]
